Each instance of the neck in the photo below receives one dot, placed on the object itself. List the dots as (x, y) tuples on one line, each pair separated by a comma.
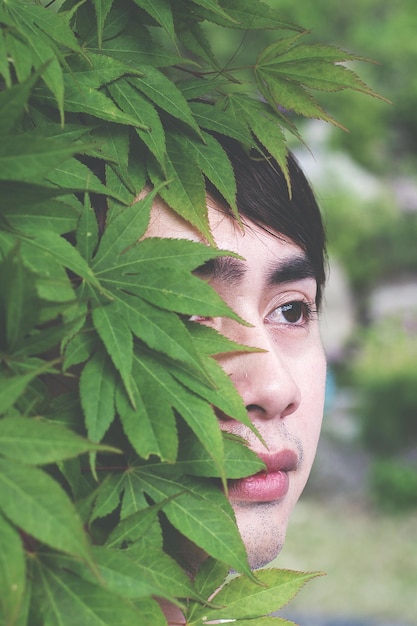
[(173, 614)]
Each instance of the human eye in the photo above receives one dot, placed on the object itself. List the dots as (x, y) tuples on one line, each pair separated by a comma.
[(293, 313), (200, 319)]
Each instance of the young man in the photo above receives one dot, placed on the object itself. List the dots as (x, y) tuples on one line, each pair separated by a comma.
[(277, 288)]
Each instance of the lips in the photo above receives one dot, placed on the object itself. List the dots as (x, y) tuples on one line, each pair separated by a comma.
[(268, 485)]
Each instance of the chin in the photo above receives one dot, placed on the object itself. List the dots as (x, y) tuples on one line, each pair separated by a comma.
[(263, 529)]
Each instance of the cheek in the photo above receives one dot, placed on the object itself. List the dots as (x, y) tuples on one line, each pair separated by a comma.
[(312, 404)]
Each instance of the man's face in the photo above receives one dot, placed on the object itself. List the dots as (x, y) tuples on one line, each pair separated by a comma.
[(274, 290)]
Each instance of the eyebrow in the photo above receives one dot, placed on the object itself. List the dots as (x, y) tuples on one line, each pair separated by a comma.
[(295, 268), (231, 271), (224, 268)]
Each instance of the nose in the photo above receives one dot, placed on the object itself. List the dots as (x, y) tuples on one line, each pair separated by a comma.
[(265, 380)]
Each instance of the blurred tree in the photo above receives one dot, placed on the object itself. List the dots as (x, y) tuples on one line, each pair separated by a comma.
[(384, 137)]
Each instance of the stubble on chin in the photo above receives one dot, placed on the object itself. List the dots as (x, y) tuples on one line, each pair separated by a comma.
[(262, 533)]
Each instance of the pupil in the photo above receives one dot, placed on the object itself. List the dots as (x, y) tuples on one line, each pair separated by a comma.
[(292, 312)]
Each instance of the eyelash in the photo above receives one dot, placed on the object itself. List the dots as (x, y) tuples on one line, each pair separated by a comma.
[(306, 310)]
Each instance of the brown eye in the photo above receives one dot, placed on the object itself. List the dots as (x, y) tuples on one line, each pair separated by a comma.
[(294, 312)]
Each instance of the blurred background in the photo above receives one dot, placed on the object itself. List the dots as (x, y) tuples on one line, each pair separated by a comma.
[(357, 520)]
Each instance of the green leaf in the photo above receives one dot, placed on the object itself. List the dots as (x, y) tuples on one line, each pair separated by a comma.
[(114, 144), (116, 337), (38, 442), (201, 418), (102, 8), (23, 196), (60, 251), (82, 99), (185, 192), (257, 621), (137, 573), (174, 291), (4, 61), (200, 511), (149, 424), (19, 303), (75, 175), (246, 599), (120, 188), (214, 8), (286, 70), (259, 15), (71, 601), (198, 414), (128, 48), (79, 348), (12, 387), (149, 127), (12, 572), (97, 388), (107, 497), (215, 165), (36, 503), (290, 95), (133, 498), (19, 54), (54, 25), (122, 232), (150, 612), (266, 128), (42, 30), (247, 14), (163, 253), (222, 393), (220, 121), (160, 330), (87, 231), (288, 52), (13, 102), (161, 11), (96, 71), (60, 216), (211, 343), (239, 460), (210, 577), (194, 38), (163, 91), (53, 283), (136, 527), (27, 158)]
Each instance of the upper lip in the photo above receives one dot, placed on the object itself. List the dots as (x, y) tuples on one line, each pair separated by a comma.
[(283, 461)]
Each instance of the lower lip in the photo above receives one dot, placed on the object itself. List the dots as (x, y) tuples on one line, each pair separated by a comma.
[(261, 487)]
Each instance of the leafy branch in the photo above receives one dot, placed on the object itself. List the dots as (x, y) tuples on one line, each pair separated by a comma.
[(109, 442)]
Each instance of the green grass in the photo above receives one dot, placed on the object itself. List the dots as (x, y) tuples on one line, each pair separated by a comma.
[(370, 560)]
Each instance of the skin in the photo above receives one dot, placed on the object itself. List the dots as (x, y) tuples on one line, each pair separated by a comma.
[(283, 387)]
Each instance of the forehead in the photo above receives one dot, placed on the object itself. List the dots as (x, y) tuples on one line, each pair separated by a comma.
[(248, 240)]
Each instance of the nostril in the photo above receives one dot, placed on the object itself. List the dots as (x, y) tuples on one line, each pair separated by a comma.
[(221, 416), (254, 407), (291, 408)]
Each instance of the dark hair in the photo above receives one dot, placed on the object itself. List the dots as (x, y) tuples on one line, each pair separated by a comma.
[(263, 196)]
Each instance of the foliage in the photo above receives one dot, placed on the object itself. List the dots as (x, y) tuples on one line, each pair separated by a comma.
[(372, 240), (385, 136), (109, 439), (393, 485), (385, 374)]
